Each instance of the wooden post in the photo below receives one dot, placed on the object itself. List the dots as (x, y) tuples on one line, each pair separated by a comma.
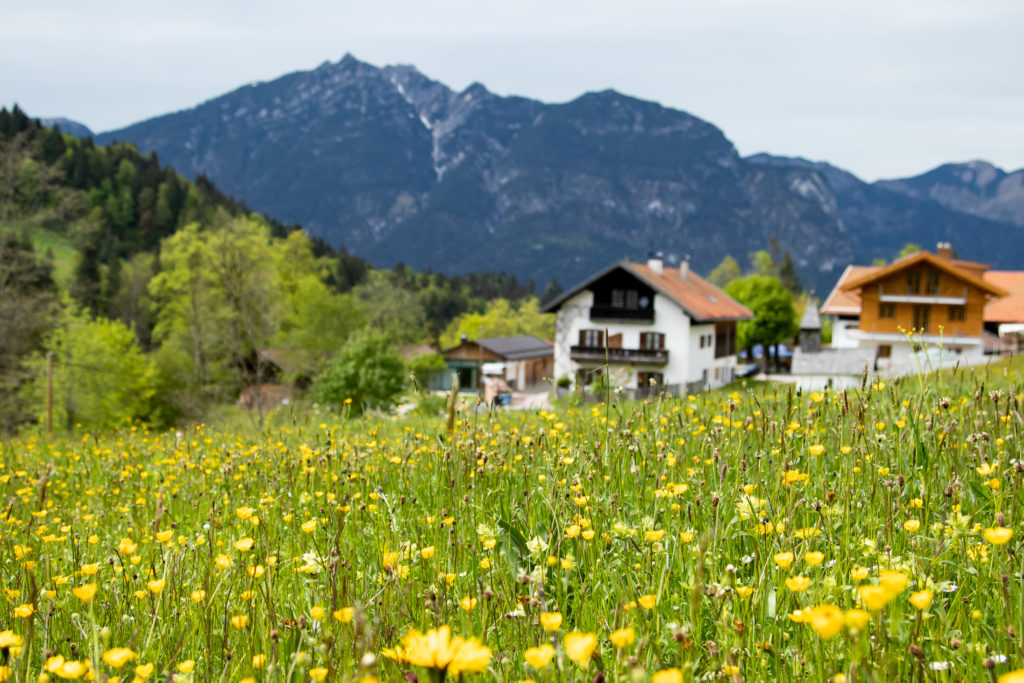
[(49, 392)]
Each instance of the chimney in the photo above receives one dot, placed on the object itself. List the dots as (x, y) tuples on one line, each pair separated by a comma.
[(655, 262), (684, 267), (944, 250)]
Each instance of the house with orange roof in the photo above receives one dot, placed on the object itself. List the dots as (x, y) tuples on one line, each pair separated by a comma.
[(924, 300), (648, 325)]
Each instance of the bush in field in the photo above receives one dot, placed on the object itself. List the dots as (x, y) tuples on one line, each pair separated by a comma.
[(368, 373)]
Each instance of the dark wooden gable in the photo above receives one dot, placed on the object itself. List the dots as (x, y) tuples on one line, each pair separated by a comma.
[(621, 289)]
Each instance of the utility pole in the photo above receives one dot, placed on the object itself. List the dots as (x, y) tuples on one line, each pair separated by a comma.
[(49, 392)]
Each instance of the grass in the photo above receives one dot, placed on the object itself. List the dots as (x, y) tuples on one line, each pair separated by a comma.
[(43, 240), (757, 535)]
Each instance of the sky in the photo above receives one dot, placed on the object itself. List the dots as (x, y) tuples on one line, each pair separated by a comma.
[(881, 88)]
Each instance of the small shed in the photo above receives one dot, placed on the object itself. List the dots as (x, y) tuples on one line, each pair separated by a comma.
[(527, 362)]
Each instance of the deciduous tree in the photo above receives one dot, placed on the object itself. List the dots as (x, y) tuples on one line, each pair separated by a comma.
[(774, 317)]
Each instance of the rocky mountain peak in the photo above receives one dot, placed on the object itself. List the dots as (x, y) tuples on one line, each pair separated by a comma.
[(975, 187), (397, 166)]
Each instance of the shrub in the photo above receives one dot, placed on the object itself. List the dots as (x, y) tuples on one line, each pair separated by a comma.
[(367, 374)]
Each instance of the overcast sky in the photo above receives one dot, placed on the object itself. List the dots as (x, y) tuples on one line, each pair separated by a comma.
[(884, 88)]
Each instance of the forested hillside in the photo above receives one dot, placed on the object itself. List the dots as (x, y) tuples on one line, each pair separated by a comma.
[(155, 295)]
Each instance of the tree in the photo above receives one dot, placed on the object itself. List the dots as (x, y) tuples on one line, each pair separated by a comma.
[(908, 249), (774, 316), (367, 374), (788, 275), (552, 291), (101, 377), (391, 309), (725, 272), (762, 264), (317, 322), (27, 309), (26, 183), (500, 319), (219, 300)]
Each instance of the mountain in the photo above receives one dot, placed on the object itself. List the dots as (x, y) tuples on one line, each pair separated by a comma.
[(396, 166), (79, 130), (881, 220), (974, 187)]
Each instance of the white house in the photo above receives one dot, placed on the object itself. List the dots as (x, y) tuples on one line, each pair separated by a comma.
[(649, 325)]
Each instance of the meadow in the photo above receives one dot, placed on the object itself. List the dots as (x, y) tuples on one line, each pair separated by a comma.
[(756, 534)]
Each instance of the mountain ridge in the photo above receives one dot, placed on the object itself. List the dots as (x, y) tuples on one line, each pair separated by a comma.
[(399, 167)]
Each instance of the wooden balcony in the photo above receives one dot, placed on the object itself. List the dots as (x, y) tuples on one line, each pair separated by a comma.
[(617, 314), (921, 298), (598, 354)]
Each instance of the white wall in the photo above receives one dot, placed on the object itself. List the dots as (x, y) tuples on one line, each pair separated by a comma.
[(704, 358), (844, 333), (686, 359)]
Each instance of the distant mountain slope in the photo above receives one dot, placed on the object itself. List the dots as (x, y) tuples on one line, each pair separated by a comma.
[(882, 220), (79, 130), (398, 167), (975, 187)]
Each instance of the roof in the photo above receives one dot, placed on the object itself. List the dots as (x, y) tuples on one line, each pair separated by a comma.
[(843, 301), (698, 298), (944, 264), (810, 320), (518, 347), (1010, 308), (833, 361)]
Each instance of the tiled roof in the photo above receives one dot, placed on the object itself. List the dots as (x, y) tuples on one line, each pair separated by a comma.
[(967, 275), (701, 300), (1010, 308), (843, 301)]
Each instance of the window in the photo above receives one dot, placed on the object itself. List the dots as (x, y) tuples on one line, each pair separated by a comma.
[(913, 282), (649, 382), (886, 310), (921, 317), (618, 298), (884, 351), (652, 341), (632, 299), (932, 283), (702, 341), (957, 313), (593, 339), (725, 339), (585, 377)]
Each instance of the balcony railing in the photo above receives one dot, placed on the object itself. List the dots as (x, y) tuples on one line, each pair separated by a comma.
[(597, 354), (920, 298), (617, 313)]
